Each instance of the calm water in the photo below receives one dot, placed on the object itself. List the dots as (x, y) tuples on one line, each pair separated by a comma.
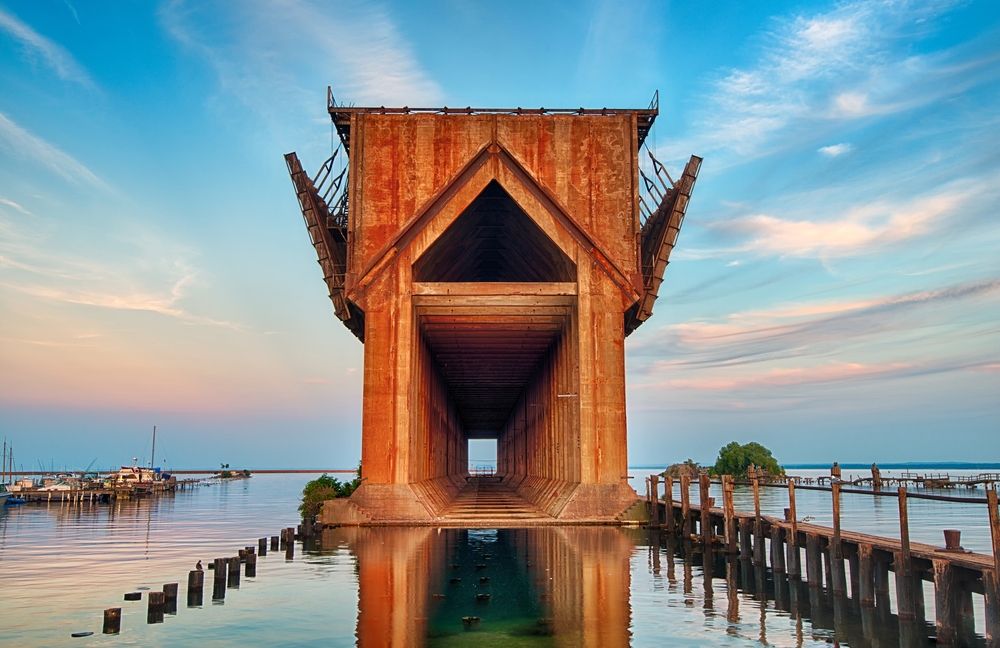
[(61, 565)]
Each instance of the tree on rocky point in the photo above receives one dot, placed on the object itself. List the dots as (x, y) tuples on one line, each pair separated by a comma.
[(734, 459)]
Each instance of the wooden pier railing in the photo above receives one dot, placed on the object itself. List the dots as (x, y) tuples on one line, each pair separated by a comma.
[(956, 574)]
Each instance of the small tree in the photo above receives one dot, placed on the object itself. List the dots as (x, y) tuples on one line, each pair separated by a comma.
[(734, 459), (325, 488)]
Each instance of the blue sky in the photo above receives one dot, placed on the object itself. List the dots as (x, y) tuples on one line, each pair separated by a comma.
[(835, 293)]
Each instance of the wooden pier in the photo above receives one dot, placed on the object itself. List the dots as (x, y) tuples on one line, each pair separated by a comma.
[(101, 495), (844, 561)]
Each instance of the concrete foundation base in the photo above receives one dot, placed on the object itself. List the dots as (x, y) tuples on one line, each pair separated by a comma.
[(486, 502)]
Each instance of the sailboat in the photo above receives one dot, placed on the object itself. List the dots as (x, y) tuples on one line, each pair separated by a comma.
[(141, 478), (6, 476)]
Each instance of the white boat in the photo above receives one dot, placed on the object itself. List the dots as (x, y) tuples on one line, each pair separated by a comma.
[(4, 494), (131, 475)]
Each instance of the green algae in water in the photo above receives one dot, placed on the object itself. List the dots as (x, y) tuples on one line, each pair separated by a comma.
[(488, 579)]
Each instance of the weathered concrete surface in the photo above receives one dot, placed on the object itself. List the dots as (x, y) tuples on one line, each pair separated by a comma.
[(494, 257)]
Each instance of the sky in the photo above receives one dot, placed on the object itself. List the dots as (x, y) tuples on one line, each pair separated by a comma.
[(834, 294)]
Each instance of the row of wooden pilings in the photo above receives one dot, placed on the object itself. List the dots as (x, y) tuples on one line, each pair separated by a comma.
[(226, 575), (955, 573)]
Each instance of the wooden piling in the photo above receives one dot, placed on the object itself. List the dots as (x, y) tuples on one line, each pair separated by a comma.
[(251, 566), (838, 577), (905, 603), (219, 581), (944, 601), (904, 594), (794, 563), (705, 504), (289, 543), (866, 575), (882, 600), (758, 532), (262, 547), (686, 506), (195, 588), (654, 508), (965, 616), (668, 502), (112, 621), (274, 543), (154, 611), (745, 547), (234, 572), (814, 561), (991, 625), (170, 598), (729, 514), (854, 572), (991, 503), (777, 551), (991, 580)]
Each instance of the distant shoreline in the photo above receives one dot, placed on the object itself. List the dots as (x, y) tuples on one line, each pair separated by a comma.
[(209, 471), (914, 465)]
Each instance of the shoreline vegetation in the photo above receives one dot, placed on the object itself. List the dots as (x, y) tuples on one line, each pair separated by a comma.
[(325, 488), (734, 459)]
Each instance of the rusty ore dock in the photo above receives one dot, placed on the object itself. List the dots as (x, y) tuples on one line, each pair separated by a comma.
[(492, 261)]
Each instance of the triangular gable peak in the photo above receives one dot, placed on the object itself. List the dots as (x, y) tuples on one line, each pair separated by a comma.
[(492, 164)]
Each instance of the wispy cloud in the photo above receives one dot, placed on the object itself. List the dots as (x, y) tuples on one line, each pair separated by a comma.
[(816, 330), (836, 149), (787, 377), (292, 49), (11, 203), (818, 225), (51, 54), (156, 277), (843, 64), (24, 143)]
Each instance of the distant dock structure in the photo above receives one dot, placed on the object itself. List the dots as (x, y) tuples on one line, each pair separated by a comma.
[(492, 261)]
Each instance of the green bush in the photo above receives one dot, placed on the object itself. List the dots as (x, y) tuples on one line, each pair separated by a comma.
[(734, 459), (325, 488)]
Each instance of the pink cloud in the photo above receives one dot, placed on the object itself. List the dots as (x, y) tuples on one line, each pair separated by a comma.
[(785, 377)]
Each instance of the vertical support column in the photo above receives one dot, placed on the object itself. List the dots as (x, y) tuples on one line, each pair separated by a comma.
[(853, 562), (686, 506), (866, 575), (882, 601), (668, 503), (758, 528), (654, 488), (991, 579), (944, 601), (814, 561), (838, 577), (777, 550), (705, 504), (745, 549), (965, 615), (794, 565), (904, 585), (729, 514)]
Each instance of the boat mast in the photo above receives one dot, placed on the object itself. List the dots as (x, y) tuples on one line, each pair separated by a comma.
[(152, 456)]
